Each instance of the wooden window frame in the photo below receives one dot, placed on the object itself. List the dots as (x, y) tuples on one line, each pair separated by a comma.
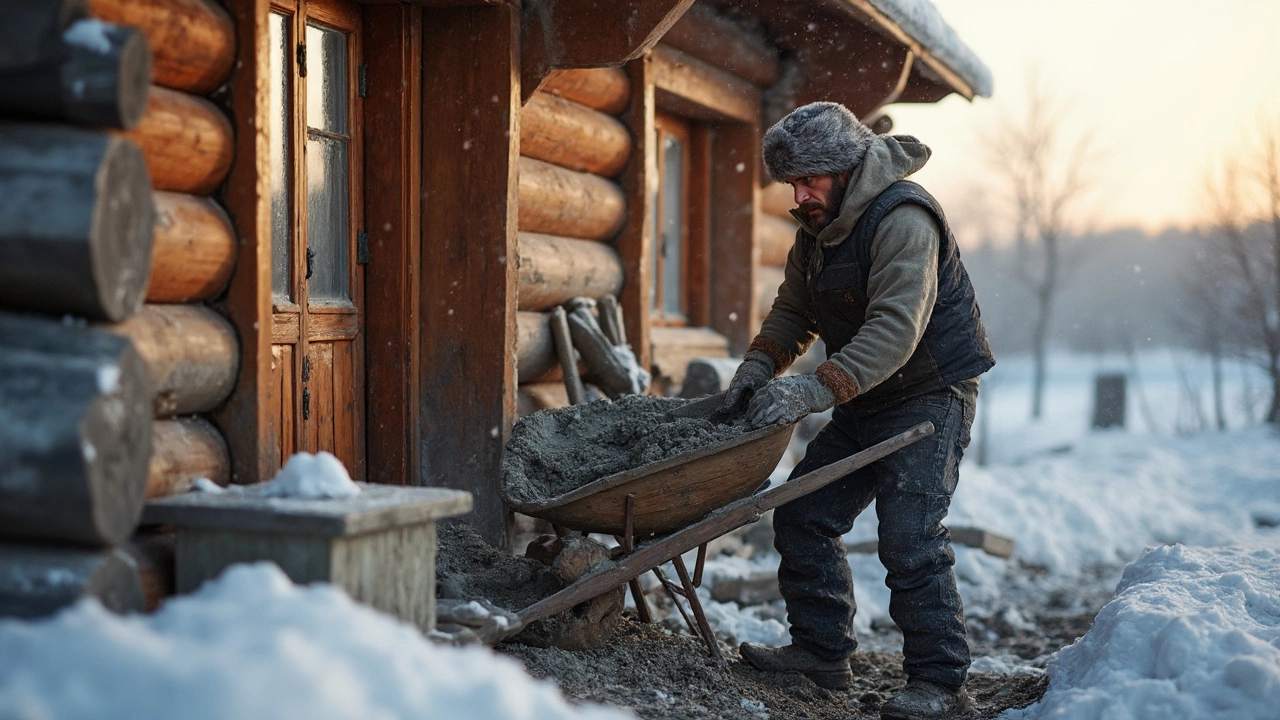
[(665, 124)]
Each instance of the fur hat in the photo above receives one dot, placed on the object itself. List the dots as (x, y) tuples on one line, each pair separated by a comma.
[(821, 138)]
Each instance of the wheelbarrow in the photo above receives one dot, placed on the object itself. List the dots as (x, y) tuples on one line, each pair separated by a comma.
[(660, 511)]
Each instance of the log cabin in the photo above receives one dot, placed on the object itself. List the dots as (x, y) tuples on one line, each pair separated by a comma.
[(344, 225)]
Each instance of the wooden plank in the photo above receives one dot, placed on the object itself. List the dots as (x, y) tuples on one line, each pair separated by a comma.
[(698, 240), (554, 269), (775, 237), (323, 327), (194, 249), (345, 414), (607, 89), (183, 450), (716, 39), (193, 42), (648, 555), (186, 140), (635, 241), (586, 33), (467, 362), (695, 89), (558, 201), (735, 173), (285, 327), (278, 387), (287, 410), (247, 420), (75, 224), (191, 356), (392, 200), (574, 136), (77, 432)]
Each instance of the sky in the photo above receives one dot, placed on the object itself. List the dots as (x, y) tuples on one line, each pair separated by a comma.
[(1167, 88)]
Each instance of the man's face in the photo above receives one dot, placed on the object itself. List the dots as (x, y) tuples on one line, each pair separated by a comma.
[(819, 197)]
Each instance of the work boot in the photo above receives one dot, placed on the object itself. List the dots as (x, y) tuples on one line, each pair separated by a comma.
[(923, 700), (830, 674)]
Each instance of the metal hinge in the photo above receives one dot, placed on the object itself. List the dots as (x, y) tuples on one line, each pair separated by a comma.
[(362, 248), (362, 81), (302, 60), (306, 404), (306, 369), (311, 259)]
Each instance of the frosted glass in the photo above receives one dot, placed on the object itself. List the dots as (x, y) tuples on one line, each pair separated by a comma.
[(328, 222), (672, 225), (281, 186)]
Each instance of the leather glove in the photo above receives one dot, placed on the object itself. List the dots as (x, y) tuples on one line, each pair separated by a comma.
[(754, 373), (789, 398)]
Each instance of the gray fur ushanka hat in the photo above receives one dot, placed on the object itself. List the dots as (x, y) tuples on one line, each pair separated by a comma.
[(821, 138)]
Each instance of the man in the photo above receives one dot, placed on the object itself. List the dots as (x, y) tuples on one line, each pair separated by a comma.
[(875, 273)]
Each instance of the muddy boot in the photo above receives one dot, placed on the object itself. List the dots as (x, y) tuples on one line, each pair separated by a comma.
[(830, 674), (923, 700)]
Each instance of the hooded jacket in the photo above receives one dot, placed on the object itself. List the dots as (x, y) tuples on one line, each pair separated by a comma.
[(896, 290)]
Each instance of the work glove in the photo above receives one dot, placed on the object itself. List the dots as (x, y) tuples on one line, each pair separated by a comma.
[(789, 398), (754, 373)]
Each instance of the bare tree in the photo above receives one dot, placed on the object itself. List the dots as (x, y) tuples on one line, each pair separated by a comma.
[(1244, 242), (1047, 174)]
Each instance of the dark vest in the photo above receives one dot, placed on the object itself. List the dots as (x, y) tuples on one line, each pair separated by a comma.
[(954, 346)]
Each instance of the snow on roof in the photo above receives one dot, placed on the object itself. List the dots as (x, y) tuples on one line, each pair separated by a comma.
[(922, 21)]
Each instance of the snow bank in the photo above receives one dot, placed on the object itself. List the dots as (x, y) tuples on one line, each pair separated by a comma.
[(316, 476), (250, 644), (1192, 633)]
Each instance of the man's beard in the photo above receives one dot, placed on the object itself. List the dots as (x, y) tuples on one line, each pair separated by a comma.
[(830, 210)]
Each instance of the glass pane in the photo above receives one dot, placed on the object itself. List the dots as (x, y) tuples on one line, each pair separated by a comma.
[(281, 189), (326, 79), (655, 246), (672, 224), (328, 225)]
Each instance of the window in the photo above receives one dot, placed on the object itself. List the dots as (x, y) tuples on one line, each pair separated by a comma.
[(670, 221)]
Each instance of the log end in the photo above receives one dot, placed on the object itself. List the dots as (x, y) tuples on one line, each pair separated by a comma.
[(115, 440), (121, 236)]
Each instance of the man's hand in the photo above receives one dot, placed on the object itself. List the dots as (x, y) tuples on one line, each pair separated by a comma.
[(788, 399), (754, 373)]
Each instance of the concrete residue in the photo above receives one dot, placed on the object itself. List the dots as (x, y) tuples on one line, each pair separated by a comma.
[(555, 451)]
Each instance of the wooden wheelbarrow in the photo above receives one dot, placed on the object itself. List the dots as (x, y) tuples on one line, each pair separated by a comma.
[(681, 504)]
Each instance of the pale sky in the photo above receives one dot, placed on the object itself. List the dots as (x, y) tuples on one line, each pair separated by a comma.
[(1166, 86)]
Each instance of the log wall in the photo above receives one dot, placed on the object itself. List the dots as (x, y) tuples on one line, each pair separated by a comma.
[(775, 234)]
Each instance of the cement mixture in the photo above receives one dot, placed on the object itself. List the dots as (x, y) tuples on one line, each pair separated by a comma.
[(553, 452)]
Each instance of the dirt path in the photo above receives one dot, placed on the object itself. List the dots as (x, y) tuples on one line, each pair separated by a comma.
[(663, 675)]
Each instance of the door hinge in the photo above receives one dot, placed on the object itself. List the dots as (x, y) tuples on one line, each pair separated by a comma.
[(306, 404), (362, 248), (311, 257), (306, 369), (362, 81), (302, 60)]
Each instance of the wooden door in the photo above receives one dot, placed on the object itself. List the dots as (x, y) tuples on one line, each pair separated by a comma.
[(317, 276)]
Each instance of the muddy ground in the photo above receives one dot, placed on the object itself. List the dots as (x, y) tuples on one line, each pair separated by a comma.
[(664, 674)]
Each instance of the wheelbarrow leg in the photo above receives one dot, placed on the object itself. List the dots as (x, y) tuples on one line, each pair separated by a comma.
[(675, 592), (691, 594), (642, 605)]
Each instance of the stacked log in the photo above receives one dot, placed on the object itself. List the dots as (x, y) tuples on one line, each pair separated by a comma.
[(570, 209), (775, 234), (97, 220)]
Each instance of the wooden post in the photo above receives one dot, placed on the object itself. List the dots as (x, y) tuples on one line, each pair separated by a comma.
[(735, 174), (98, 74), (36, 580), (636, 240), (76, 435), (469, 282), (75, 223)]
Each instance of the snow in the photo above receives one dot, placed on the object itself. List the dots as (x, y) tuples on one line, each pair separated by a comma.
[(252, 644), (922, 21), (1191, 633), (318, 476), (89, 34)]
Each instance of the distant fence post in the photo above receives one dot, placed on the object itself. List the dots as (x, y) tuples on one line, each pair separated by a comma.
[(1108, 400)]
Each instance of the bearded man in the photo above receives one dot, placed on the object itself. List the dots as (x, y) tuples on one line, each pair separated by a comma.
[(876, 274)]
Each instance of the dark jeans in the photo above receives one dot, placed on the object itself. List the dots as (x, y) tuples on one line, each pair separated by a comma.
[(912, 489)]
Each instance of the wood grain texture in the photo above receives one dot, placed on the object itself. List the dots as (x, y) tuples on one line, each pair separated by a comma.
[(775, 237), (393, 187), (735, 175), (75, 409), (469, 282), (535, 349), (186, 140), (191, 355), (75, 223), (183, 449), (605, 89), (710, 36), (247, 420), (555, 269), (635, 241), (574, 136), (194, 250), (695, 89), (193, 42), (558, 201)]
